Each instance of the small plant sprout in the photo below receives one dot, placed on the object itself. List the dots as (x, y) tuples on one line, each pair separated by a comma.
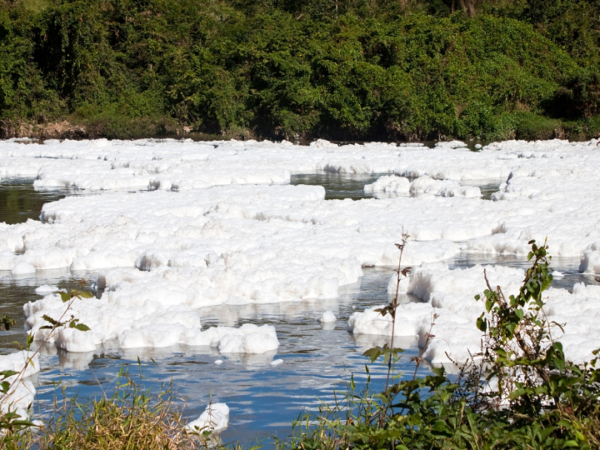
[(11, 423), (7, 322), (391, 354)]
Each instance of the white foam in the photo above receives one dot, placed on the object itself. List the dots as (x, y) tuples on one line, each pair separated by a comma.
[(447, 188), (21, 392), (444, 323), (389, 184), (22, 268), (140, 323), (219, 227), (215, 419), (590, 262), (327, 317), (46, 289), (17, 361), (422, 186)]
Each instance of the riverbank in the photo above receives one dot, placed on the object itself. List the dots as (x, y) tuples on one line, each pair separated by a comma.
[(528, 128)]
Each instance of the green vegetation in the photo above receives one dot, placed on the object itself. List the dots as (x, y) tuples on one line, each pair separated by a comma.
[(129, 418), (519, 392), (339, 69)]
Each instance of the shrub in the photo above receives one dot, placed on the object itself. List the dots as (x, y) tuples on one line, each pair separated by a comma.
[(518, 393)]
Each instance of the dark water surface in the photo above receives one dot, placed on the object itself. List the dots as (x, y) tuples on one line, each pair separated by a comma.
[(340, 186), (264, 398), (19, 201)]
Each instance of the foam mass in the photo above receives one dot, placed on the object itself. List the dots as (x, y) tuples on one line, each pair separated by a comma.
[(443, 322), (181, 225)]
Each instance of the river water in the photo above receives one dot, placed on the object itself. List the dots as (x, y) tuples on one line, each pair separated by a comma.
[(264, 398)]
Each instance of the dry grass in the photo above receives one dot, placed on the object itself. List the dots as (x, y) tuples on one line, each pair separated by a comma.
[(119, 424), (129, 419)]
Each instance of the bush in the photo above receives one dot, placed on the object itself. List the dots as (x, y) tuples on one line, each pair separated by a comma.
[(518, 393), (531, 126)]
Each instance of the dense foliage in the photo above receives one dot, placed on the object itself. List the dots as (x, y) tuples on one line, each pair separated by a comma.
[(341, 69)]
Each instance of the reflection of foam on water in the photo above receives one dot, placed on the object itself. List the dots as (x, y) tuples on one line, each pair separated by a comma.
[(251, 361), (368, 341), (66, 360), (231, 315), (75, 361), (328, 326), (147, 354)]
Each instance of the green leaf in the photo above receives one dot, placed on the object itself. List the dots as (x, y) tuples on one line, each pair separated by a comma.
[(482, 323), (373, 353), (82, 327), (23, 423), (65, 296), (51, 320), (8, 373), (85, 294)]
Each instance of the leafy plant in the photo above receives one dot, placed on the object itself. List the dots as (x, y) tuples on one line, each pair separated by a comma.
[(519, 392), (12, 425), (7, 322)]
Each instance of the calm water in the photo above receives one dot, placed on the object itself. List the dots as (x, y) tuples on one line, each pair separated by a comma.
[(340, 186), (264, 399), (19, 201)]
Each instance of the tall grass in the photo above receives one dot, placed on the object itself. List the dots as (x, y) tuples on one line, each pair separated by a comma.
[(129, 418)]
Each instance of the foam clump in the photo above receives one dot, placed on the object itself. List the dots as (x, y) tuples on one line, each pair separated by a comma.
[(395, 287), (371, 321), (444, 323), (76, 341), (327, 317), (389, 184), (46, 289), (19, 397), (423, 185), (138, 324), (248, 339), (590, 262), (23, 268), (17, 361), (215, 419), (21, 392), (442, 188), (451, 144)]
